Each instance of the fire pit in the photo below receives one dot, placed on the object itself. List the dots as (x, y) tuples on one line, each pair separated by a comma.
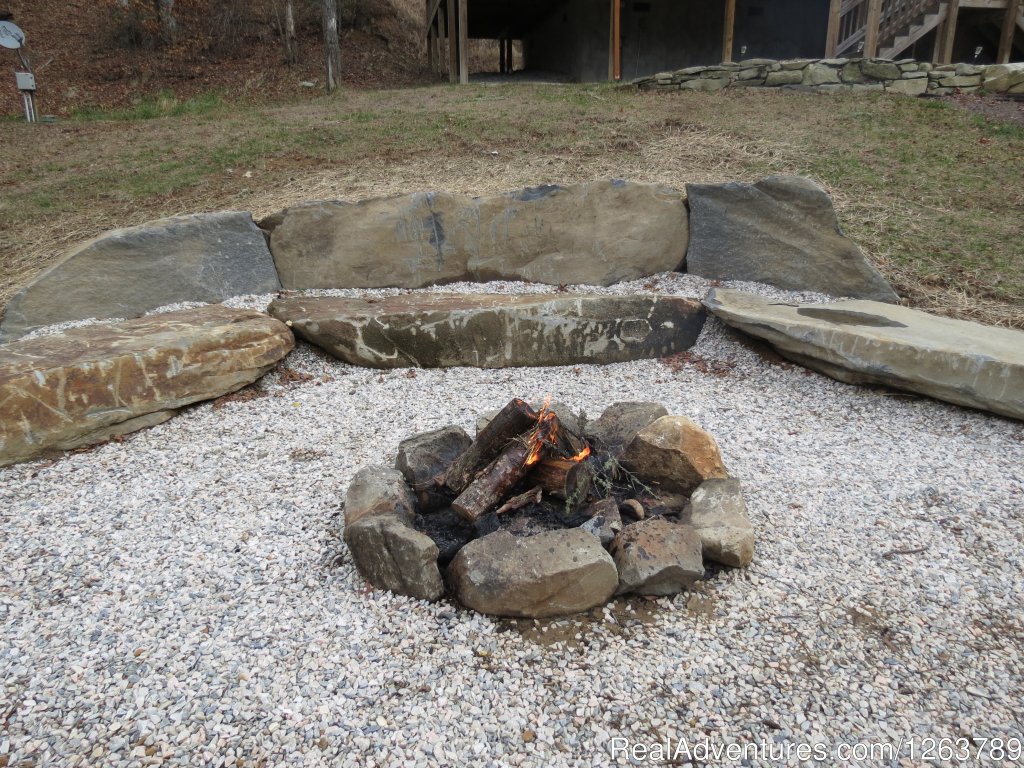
[(544, 515)]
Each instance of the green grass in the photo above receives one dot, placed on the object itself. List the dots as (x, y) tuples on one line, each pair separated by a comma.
[(162, 104)]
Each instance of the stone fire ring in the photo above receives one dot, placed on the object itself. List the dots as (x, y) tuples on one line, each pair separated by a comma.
[(699, 516)]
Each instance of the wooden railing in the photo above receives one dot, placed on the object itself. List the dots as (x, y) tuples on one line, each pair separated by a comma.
[(873, 22)]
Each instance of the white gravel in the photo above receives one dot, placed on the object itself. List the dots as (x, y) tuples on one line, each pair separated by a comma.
[(182, 598)]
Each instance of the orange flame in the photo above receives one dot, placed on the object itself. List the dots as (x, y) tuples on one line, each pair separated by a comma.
[(545, 432)]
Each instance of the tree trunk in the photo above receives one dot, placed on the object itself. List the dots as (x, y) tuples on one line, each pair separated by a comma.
[(284, 14), (165, 18), (332, 47)]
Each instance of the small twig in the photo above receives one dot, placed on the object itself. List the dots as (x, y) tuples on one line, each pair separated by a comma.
[(893, 552), (532, 496)]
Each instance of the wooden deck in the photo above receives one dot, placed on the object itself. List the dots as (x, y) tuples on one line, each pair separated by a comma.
[(861, 28)]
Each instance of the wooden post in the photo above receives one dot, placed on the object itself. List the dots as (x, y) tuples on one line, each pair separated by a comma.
[(453, 48), (947, 33), (616, 39), (438, 50), (1009, 28), (872, 28), (832, 36), (730, 27), (464, 42), (431, 43), (501, 55), (611, 40), (510, 55), (442, 40)]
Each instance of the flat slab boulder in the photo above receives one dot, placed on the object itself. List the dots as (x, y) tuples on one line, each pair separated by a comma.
[(493, 330), (781, 231), (555, 573), (204, 257), (596, 233), (91, 383), (867, 342)]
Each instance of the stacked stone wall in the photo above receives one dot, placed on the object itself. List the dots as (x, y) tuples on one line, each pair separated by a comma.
[(904, 76)]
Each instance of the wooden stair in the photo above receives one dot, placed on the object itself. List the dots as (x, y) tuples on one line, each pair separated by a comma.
[(889, 28), (916, 29)]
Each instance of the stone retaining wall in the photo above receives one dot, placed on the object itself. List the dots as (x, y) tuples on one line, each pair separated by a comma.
[(781, 231), (904, 76)]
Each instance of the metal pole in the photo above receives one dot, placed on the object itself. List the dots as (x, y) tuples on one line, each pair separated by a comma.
[(30, 107)]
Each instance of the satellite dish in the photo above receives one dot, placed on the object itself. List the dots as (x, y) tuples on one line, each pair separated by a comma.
[(10, 36)]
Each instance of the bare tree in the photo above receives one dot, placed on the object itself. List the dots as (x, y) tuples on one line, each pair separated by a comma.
[(332, 46), (284, 12), (165, 18)]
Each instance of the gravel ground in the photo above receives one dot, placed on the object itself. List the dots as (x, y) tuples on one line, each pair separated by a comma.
[(182, 597)]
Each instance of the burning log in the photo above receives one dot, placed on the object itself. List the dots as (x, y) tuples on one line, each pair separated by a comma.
[(565, 479), (512, 421), (490, 487)]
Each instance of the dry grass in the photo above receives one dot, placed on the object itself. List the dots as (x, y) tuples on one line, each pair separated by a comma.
[(934, 195)]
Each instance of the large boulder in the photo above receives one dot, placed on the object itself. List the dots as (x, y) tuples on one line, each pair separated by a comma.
[(554, 573), (620, 422), (92, 383), (387, 550), (424, 457), (657, 557), (493, 330), (204, 257), (390, 554), (718, 514), (1004, 78), (597, 233), (781, 231), (867, 342), (376, 491), (675, 454)]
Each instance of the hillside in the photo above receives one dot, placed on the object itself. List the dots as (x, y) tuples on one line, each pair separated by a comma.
[(91, 54)]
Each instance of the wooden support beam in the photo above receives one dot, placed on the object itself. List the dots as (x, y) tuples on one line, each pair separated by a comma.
[(464, 42), (616, 40), (730, 28), (431, 40), (442, 40), (832, 36), (501, 56), (453, 48), (874, 22), (611, 40), (433, 8), (1009, 28), (438, 49), (947, 33)]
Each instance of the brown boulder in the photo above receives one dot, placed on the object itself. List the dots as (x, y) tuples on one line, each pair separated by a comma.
[(657, 557), (554, 573), (390, 554), (89, 384), (375, 491), (674, 453), (719, 515), (597, 233)]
